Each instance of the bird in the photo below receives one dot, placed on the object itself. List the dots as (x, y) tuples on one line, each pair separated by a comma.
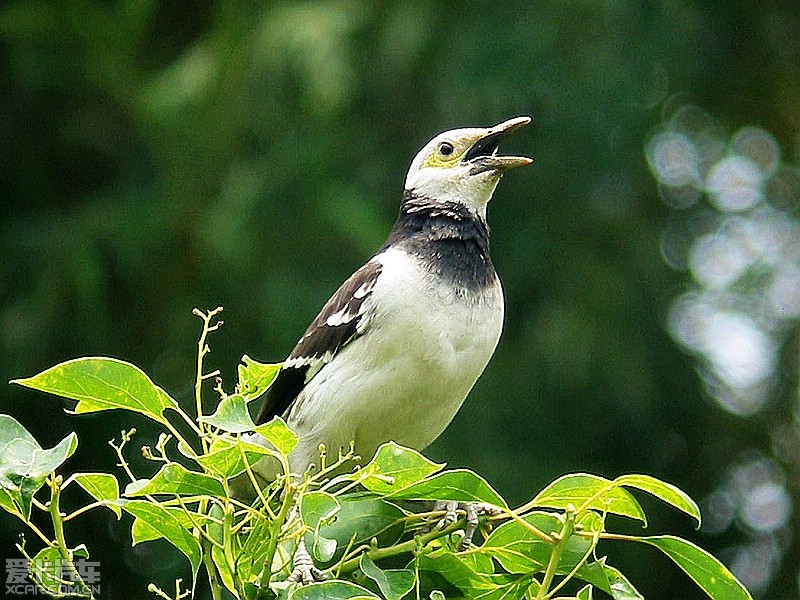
[(397, 348)]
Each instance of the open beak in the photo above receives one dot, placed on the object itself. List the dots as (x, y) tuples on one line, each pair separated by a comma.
[(483, 153)]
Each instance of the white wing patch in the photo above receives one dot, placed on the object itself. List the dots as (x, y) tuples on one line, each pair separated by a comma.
[(344, 316), (340, 317)]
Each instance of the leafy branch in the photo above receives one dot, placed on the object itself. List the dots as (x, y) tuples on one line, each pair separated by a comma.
[(368, 528)]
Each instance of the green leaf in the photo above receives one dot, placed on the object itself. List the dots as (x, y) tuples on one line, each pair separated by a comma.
[(216, 531), (24, 465), (224, 569), (231, 415), (711, 575), (664, 491), (100, 383), (608, 579), (254, 550), (174, 478), (12, 430), (46, 570), (277, 433), (585, 593), (170, 527), (224, 457), (142, 531), (475, 585), (102, 487), (449, 566), (453, 569), (395, 467), (584, 491), (322, 548), (393, 583), (317, 509), (81, 551), (48, 461), (519, 550), (518, 587), (620, 587), (362, 518), (332, 590), (461, 485), (7, 502), (255, 377), (53, 573), (480, 563)]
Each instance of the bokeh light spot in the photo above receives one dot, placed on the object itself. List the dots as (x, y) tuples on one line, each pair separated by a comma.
[(718, 260), (673, 159), (759, 146), (783, 188), (767, 507), (734, 183), (741, 247), (741, 353), (783, 293)]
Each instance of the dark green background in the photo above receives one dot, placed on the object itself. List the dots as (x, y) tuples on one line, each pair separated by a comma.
[(157, 156)]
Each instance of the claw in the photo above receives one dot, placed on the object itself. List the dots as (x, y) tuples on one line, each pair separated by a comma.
[(450, 516), (472, 511), (304, 570)]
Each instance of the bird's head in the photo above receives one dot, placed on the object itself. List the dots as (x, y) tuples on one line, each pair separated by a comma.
[(462, 165)]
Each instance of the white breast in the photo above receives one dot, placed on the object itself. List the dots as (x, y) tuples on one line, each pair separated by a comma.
[(424, 348)]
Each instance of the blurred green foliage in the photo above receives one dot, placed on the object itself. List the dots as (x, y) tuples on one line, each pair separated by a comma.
[(156, 156)]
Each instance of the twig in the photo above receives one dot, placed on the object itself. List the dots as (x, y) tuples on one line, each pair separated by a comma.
[(558, 551)]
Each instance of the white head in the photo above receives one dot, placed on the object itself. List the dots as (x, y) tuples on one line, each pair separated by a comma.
[(462, 165)]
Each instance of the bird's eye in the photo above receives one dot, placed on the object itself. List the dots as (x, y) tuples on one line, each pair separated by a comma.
[(446, 148)]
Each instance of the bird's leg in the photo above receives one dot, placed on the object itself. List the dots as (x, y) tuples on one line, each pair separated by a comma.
[(450, 516), (304, 570), (472, 510)]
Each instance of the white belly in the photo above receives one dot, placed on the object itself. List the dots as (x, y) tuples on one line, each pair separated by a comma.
[(407, 376)]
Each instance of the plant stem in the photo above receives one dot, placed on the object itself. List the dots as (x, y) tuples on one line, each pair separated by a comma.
[(251, 476), (515, 515), (202, 350), (125, 437), (79, 511), (274, 534), (580, 563), (408, 546), (211, 570), (558, 551), (58, 528), (189, 421), (33, 528)]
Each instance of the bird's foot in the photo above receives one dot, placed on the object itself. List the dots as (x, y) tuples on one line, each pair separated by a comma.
[(304, 571), (472, 511)]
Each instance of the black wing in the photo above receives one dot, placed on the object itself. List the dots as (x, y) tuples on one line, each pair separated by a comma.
[(343, 318)]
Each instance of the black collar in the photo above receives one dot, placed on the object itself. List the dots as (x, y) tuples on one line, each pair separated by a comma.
[(451, 240)]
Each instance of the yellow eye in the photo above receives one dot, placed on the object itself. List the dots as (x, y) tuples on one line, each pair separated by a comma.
[(446, 149)]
